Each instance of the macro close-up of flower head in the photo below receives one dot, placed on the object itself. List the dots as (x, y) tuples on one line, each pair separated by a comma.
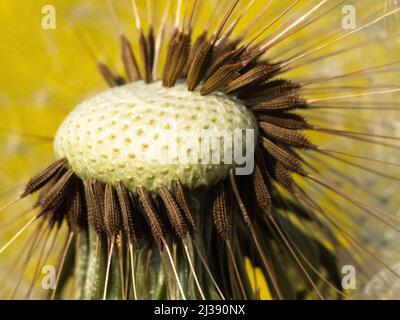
[(199, 150)]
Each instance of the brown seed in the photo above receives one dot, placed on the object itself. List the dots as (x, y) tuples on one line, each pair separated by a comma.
[(270, 90), (283, 177), (112, 217), (224, 56), (155, 224), (174, 214), (198, 67), (280, 174), (45, 190), (58, 193), (239, 200), (221, 212), (129, 223), (151, 45), (177, 57), (258, 74), (261, 191), (289, 121), (289, 161), (75, 214), (129, 60), (287, 137), (41, 179), (288, 102), (195, 47), (95, 207), (107, 74), (221, 78), (147, 49), (183, 204)]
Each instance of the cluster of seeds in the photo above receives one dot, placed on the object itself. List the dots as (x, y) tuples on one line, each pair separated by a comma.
[(105, 144)]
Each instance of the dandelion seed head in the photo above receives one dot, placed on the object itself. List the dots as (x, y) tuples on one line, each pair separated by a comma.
[(127, 138)]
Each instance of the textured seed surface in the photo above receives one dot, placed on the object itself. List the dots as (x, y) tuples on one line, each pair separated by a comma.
[(141, 134)]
